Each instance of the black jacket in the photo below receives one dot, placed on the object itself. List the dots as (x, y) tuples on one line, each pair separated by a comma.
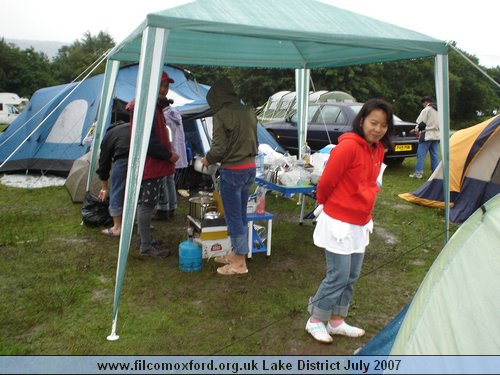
[(115, 145)]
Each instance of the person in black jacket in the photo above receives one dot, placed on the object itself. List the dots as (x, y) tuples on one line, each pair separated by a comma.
[(114, 158)]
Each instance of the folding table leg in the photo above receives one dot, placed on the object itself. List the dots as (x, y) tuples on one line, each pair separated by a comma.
[(269, 236), (250, 239)]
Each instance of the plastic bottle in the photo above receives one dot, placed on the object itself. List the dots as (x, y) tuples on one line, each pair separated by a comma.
[(259, 161), (260, 208), (306, 153)]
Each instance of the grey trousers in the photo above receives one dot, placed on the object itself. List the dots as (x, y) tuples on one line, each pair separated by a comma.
[(144, 214), (148, 198)]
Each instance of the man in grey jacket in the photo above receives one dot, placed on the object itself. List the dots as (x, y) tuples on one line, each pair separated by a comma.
[(428, 128)]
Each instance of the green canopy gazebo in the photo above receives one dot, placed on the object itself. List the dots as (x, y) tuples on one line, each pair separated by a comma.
[(298, 34)]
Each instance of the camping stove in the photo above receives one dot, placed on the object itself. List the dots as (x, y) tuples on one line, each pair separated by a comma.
[(211, 234)]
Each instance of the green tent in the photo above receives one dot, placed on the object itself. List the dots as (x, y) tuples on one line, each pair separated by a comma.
[(455, 310), (300, 34)]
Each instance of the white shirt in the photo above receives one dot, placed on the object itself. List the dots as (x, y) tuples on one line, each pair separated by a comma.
[(431, 118), (339, 237)]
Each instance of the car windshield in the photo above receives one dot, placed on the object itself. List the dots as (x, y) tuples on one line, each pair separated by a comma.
[(313, 108), (310, 114), (356, 108)]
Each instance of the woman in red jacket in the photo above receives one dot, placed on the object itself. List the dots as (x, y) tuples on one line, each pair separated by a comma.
[(347, 190), (160, 162)]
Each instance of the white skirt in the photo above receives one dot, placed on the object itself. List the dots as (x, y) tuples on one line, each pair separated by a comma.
[(339, 237)]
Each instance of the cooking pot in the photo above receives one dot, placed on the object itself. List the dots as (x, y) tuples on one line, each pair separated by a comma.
[(198, 206), (198, 166), (211, 215)]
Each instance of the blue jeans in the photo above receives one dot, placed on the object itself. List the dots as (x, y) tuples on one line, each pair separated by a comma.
[(335, 291), (168, 194), (117, 189), (234, 190), (432, 147)]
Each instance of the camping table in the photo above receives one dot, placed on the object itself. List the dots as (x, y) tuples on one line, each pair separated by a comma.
[(288, 191), (263, 245)]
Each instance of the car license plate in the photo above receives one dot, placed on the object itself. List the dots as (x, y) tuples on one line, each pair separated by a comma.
[(402, 148)]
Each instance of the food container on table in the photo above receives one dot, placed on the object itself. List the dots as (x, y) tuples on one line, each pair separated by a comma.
[(198, 206)]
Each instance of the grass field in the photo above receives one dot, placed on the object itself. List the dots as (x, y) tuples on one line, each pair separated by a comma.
[(57, 281)]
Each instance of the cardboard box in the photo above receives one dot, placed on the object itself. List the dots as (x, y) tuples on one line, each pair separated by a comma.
[(215, 248), (214, 232)]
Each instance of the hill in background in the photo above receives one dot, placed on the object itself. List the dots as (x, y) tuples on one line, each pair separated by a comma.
[(50, 48)]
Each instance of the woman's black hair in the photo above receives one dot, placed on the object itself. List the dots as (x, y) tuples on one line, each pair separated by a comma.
[(368, 107)]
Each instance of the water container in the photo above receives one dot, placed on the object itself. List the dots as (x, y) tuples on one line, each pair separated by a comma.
[(306, 153), (190, 256), (259, 161)]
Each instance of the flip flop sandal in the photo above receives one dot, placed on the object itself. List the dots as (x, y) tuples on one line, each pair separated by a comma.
[(108, 232), (222, 259), (228, 270)]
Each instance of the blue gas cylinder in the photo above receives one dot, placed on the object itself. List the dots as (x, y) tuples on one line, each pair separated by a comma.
[(190, 256)]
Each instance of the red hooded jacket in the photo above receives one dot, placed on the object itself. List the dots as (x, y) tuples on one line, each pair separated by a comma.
[(348, 186), (157, 162)]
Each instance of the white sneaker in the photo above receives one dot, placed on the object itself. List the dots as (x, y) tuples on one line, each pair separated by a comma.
[(319, 332), (345, 330), (416, 175)]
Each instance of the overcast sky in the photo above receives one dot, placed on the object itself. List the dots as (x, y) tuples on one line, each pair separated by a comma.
[(472, 24)]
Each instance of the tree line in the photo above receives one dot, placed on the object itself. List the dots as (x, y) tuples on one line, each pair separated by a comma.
[(402, 83)]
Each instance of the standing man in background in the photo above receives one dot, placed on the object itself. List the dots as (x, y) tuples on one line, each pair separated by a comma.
[(428, 128)]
